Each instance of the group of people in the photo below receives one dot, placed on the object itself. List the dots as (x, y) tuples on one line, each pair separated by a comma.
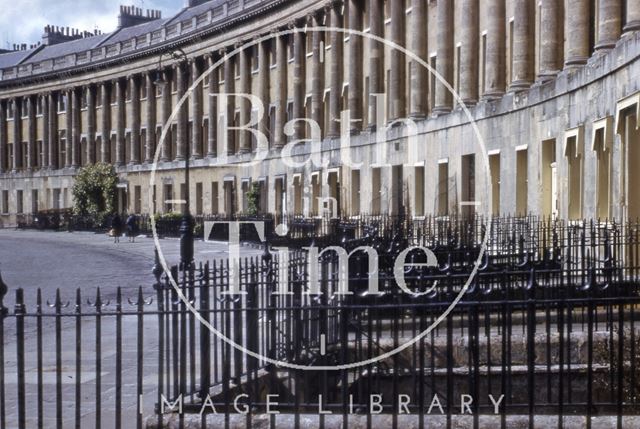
[(118, 227)]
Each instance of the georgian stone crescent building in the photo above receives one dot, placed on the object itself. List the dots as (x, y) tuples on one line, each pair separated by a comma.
[(553, 87)]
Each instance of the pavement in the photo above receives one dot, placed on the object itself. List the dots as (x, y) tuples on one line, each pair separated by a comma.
[(68, 262)]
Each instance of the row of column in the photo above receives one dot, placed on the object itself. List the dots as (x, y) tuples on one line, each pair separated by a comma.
[(52, 139), (491, 45), (493, 74)]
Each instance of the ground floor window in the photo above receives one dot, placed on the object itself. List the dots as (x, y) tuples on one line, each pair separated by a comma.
[(522, 182)]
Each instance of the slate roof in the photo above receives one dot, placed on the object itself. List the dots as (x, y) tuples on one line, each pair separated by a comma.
[(66, 48), (11, 59), (136, 30), (189, 13)]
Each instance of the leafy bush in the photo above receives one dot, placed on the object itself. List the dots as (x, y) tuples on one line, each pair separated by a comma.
[(94, 191), (253, 199), (168, 217)]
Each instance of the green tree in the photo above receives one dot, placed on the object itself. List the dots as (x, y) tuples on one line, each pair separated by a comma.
[(94, 191), (253, 199)]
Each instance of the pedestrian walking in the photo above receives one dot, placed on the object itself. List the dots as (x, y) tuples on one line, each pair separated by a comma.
[(116, 228), (132, 227)]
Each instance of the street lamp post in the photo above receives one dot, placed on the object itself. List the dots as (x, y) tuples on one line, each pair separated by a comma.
[(186, 224)]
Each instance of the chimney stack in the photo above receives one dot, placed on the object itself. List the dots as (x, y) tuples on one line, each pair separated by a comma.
[(55, 34), (132, 15)]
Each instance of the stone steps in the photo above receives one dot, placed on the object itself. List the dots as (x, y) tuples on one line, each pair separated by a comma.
[(410, 421)]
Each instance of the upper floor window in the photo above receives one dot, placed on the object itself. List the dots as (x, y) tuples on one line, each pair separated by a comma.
[(84, 98), (25, 107), (255, 58), (62, 103), (40, 105), (274, 49), (291, 47), (113, 94), (174, 82), (309, 43)]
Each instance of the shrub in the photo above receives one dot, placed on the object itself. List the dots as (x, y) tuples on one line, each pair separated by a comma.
[(94, 191), (253, 199)]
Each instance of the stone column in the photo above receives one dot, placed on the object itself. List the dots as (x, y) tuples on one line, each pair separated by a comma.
[(494, 79), (53, 131), (182, 117), (68, 115), (376, 59), (45, 130), (229, 88), (32, 130), (280, 139), (317, 78), (522, 61), (299, 88), (134, 121), (105, 148), (549, 39), (17, 134), (244, 104), (120, 123), (576, 21), (468, 85), (91, 124), (73, 137), (196, 109), (150, 145), (68, 142), (444, 57), (263, 84), (165, 151), (212, 99), (609, 23), (76, 128), (356, 68), (3, 137), (419, 76), (337, 48), (633, 16), (398, 88)]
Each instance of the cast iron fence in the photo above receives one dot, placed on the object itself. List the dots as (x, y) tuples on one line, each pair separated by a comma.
[(548, 321)]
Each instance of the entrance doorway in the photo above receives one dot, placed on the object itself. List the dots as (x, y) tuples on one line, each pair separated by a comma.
[(549, 185), (631, 141), (123, 199)]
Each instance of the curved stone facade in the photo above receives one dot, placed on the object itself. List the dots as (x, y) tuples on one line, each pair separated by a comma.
[(553, 88)]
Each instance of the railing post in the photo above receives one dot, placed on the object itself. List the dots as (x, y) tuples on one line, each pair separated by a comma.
[(531, 346), (3, 313), (19, 312), (205, 336), (253, 328), (158, 287)]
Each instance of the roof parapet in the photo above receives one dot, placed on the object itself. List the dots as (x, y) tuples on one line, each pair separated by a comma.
[(131, 15)]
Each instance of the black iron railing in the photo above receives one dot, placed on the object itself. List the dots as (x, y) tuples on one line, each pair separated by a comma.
[(548, 321)]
